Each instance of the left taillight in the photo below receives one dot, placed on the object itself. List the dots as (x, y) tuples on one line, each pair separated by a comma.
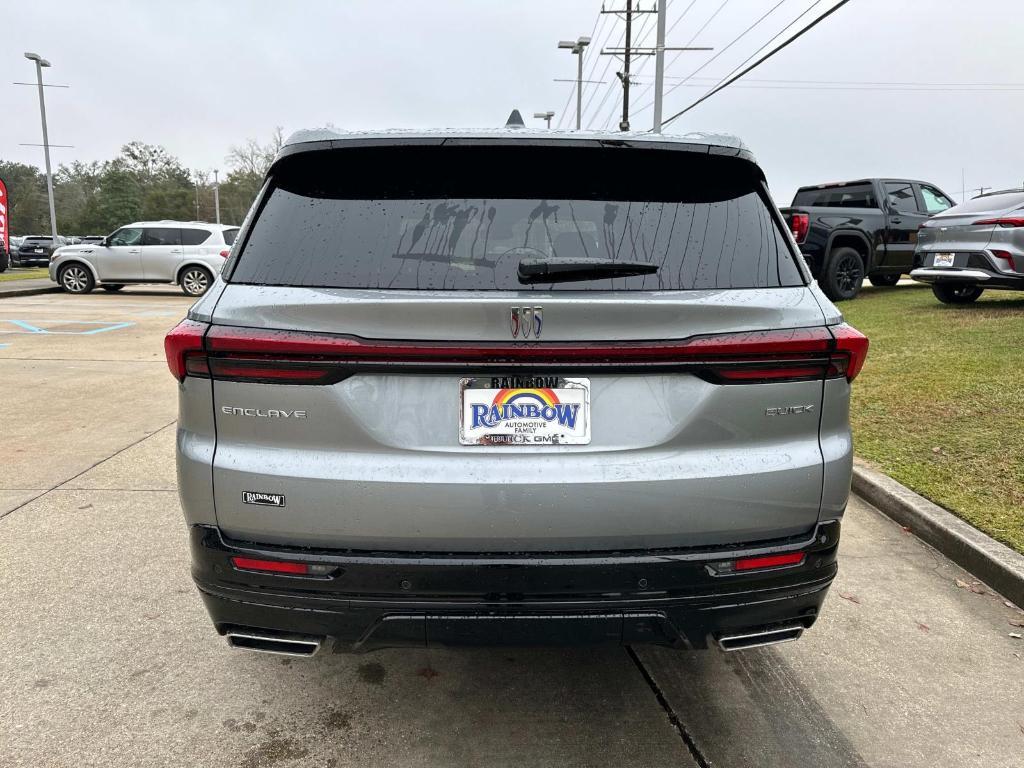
[(183, 346), (800, 224)]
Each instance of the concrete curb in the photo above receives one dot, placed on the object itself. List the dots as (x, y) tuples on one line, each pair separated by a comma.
[(994, 563), (14, 293)]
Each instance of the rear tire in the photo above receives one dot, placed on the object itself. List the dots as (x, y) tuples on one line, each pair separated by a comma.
[(954, 293), (75, 278), (112, 288), (884, 281), (195, 281), (843, 274)]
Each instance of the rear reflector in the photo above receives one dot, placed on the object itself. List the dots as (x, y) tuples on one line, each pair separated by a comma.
[(282, 566), (270, 566), (769, 561), (292, 357), (1007, 257)]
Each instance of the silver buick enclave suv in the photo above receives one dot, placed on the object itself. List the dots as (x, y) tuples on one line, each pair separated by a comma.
[(513, 388)]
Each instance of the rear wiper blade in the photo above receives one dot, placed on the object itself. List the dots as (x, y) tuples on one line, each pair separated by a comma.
[(569, 270)]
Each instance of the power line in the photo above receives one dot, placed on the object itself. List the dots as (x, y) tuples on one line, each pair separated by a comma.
[(760, 61), (643, 39), (572, 90), (898, 89), (607, 65), (735, 40), (688, 44)]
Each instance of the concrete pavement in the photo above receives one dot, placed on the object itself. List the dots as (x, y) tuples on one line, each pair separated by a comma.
[(107, 656)]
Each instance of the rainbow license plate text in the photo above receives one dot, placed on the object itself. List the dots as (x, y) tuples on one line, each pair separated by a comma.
[(524, 410)]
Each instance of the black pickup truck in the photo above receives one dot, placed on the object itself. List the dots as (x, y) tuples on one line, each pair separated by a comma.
[(850, 229)]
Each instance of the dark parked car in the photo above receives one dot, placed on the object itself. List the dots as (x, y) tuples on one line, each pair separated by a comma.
[(35, 251), (853, 229), (974, 246)]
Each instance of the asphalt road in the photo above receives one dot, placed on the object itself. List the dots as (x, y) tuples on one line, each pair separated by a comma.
[(108, 659)]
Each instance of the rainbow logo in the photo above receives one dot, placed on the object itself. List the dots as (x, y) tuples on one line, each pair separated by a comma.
[(533, 404)]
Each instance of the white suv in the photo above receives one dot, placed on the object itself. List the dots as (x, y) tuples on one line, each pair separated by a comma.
[(188, 253)]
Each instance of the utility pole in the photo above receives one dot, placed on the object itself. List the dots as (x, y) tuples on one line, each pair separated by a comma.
[(577, 49), (659, 65), (40, 63), (546, 116), (624, 75), (216, 196), (627, 52)]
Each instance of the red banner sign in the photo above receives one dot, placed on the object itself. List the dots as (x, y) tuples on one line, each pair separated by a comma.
[(5, 235)]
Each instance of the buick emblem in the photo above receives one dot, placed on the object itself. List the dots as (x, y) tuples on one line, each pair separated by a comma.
[(526, 322)]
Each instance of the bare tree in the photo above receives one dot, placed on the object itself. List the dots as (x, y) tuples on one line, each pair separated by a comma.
[(253, 158)]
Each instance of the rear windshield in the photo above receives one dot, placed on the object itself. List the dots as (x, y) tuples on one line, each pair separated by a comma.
[(417, 232), (847, 196), (38, 240), (1009, 201)]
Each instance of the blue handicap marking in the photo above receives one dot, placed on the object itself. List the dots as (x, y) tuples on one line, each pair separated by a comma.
[(102, 326)]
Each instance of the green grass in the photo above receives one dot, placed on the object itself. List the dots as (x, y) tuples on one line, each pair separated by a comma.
[(23, 274), (939, 405)]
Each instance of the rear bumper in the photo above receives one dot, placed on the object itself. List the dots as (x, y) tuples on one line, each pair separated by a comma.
[(379, 600), (35, 259), (980, 277)]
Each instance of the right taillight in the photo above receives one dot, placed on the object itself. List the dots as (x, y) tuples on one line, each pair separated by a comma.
[(850, 353), (800, 223), (1001, 221)]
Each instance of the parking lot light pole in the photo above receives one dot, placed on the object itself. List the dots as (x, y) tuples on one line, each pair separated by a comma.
[(216, 196), (40, 63), (577, 48), (545, 116)]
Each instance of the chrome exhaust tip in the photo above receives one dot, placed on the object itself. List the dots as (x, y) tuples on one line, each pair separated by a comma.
[(772, 636), (281, 646)]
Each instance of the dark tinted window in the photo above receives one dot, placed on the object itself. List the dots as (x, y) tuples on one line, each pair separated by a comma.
[(456, 219), (847, 196), (230, 235), (900, 195), (477, 244), (195, 236), (161, 236)]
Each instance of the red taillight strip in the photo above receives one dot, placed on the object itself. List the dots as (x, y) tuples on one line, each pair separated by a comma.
[(732, 347), (252, 354), (1002, 221)]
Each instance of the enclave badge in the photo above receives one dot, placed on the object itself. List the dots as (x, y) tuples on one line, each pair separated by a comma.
[(263, 499)]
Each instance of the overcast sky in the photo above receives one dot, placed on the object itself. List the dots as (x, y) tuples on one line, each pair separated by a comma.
[(198, 77)]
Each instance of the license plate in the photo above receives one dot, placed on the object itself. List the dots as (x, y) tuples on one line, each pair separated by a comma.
[(39, 250), (944, 259), (524, 410)]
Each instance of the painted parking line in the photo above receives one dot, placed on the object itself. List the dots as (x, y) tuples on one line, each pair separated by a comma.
[(102, 326)]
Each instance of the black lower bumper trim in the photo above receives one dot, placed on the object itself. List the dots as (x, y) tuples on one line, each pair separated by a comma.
[(393, 601)]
